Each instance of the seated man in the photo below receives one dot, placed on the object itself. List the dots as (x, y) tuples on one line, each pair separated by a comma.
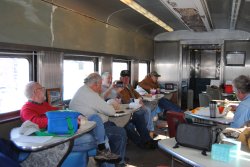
[(112, 90), (151, 82), (140, 136), (164, 105), (242, 90), (35, 109), (87, 100)]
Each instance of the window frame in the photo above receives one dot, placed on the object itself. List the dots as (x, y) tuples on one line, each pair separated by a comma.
[(30, 56)]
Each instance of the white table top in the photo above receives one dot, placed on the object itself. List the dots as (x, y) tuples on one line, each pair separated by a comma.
[(121, 119), (23, 142), (168, 91), (153, 98), (221, 120), (195, 158)]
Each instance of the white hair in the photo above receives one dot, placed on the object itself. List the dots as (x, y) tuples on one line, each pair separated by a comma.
[(92, 78), (105, 74), (29, 89)]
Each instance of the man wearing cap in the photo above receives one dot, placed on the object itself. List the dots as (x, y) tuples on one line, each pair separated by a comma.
[(151, 82), (140, 136)]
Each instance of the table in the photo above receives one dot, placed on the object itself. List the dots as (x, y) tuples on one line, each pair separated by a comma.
[(17, 138), (220, 120), (168, 94), (121, 119), (153, 97), (194, 157)]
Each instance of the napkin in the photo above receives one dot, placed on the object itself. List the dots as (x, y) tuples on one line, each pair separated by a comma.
[(134, 105), (28, 127)]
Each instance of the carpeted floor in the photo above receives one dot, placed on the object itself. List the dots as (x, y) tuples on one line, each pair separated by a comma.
[(150, 158)]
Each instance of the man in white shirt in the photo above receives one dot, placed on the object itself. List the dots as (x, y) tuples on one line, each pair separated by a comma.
[(88, 101)]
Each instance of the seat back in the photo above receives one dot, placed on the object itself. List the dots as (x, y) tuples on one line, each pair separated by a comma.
[(204, 99), (173, 119), (214, 92)]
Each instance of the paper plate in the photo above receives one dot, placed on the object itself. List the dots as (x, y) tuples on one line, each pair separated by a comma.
[(204, 111)]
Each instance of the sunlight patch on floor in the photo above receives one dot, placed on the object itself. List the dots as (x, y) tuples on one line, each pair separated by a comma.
[(127, 165), (160, 137)]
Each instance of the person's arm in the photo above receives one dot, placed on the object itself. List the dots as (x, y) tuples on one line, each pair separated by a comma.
[(107, 92), (31, 114), (102, 107), (144, 84)]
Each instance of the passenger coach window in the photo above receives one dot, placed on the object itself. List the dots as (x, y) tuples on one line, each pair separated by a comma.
[(74, 72), (117, 68), (14, 75), (143, 70)]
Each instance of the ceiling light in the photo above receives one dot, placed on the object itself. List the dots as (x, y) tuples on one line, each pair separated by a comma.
[(147, 14)]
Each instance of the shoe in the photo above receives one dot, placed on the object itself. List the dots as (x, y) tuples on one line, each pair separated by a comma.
[(152, 144), (106, 155), (152, 134)]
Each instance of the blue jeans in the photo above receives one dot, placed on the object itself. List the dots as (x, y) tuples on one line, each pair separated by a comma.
[(167, 105), (137, 129), (148, 115), (98, 131), (86, 143), (117, 139)]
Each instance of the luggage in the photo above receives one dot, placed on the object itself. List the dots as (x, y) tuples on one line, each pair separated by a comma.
[(198, 136), (62, 122)]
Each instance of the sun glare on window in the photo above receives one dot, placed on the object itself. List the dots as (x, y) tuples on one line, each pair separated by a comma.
[(14, 75), (74, 72)]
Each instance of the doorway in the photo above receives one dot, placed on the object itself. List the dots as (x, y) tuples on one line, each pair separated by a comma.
[(201, 63)]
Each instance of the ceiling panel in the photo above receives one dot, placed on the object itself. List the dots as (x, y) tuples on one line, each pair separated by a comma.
[(116, 13), (244, 17), (220, 11)]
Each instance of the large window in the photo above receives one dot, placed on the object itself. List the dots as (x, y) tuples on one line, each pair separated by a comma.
[(118, 66), (14, 75), (74, 72), (143, 70)]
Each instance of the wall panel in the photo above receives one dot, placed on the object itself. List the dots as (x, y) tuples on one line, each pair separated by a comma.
[(231, 72)]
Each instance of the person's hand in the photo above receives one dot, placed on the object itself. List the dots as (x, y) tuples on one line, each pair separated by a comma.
[(118, 89), (233, 108), (112, 85), (81, 120), (116, 105), (118, 100), (148, 95), (158, 90)]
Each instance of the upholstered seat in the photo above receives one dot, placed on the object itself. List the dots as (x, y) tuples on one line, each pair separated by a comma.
[(204, 99), (173, 119)]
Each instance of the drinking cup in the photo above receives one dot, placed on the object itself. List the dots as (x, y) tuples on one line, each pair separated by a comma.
[(212, 108), (153, 91)]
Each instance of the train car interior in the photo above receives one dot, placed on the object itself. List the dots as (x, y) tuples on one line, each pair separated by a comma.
[(196, 47)]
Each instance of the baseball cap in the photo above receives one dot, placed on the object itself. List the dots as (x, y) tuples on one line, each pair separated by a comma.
[(154, 73), (125, 73)]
